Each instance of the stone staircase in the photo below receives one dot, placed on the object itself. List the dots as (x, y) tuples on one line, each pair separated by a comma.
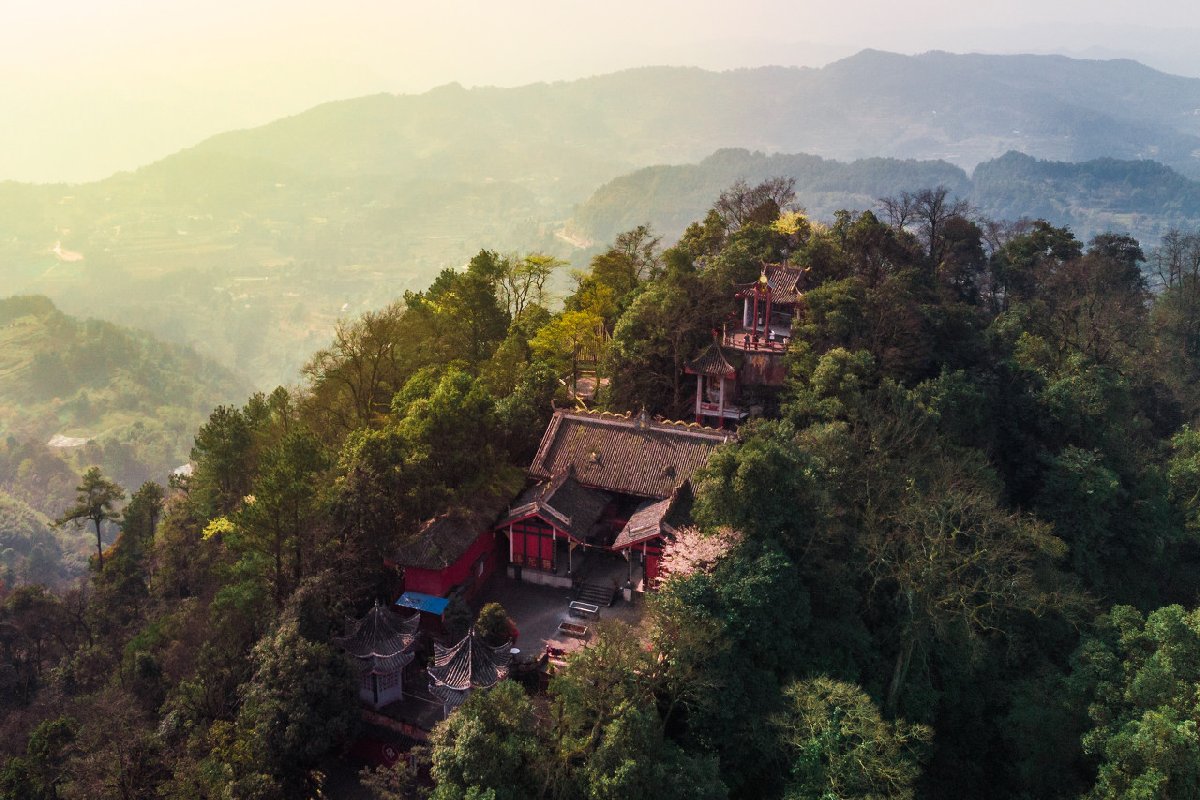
[(596, 594)]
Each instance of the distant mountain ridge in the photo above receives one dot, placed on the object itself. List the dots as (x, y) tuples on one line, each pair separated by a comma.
[(1142, 198), (251, 244), (961, 108)]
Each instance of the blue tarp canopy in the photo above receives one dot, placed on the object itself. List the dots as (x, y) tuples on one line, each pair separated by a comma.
[(423, 602)]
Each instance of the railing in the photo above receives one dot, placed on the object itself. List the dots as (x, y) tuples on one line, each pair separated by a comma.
[(745, 341), (714, 410)]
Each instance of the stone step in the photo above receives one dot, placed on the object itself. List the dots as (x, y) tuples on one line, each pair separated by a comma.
[(595, 594)]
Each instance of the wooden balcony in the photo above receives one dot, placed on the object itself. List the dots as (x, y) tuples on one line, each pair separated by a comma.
[(745, 341), (730, 412)]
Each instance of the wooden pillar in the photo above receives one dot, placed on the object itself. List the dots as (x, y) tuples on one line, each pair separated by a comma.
[(699, 396), (767, 319), (510, 543), (645, 579), (721, 405), (746, 318), (570, 553), (754, 319), (629, 564), (554, 551)]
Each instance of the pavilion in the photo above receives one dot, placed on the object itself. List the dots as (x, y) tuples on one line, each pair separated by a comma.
[(382, 646), (470, 664)]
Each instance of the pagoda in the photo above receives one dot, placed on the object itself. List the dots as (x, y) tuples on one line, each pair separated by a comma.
[(741, 371), (769, 306), (470, 664), (716, 386), (382, 646)]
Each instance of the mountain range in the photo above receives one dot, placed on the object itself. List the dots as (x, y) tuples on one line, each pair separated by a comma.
[(1142, 198), (251, 244)]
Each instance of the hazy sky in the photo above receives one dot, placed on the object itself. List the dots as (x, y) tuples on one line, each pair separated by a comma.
[(89, 87)]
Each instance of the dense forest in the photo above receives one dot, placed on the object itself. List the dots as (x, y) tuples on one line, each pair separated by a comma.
[(957, 553)]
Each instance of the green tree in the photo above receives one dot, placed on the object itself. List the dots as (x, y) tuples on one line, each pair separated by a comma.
[(224, 455), (664, 327), (742, 487), (1139, 675), (122, 587), (493, 624), (1025, 261), (462, 311), (95, 500), (843, 748), (634, 759), (488, 748), (1184, 476), (39, 774), (949, 558), (352, 381), (569, 338), (300, 705), (741, 632), (278, 518), (522, 281), (615, 275)]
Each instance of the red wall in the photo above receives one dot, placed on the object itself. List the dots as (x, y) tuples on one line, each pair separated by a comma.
[(439, 582), (532, 543), (651, 569), (651, 552)]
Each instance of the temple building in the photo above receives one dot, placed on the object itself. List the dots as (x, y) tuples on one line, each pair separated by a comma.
[(382, 646), (606, 489), (470, 664), (769, 306), (741, 371), (452, 552), (716, 387)]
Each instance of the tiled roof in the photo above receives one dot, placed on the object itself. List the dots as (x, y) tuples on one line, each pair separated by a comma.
[(564, 502), (470, 664), (382, 641), (624, 454), (646, 522), (783, 281), (712, 362), (442, 540), (657, 517)]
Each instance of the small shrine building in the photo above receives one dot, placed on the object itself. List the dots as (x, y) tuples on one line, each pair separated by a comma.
[(455, 551), (382, 646), (460, 668)]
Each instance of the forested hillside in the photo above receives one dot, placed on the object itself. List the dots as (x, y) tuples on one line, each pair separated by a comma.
[(954, 557), (75, 393), (284, 229), (1142, 198)]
